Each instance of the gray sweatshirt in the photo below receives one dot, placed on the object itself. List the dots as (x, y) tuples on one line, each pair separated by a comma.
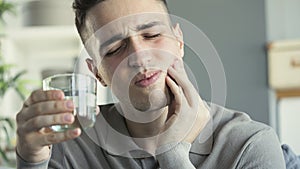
[(230, 140)]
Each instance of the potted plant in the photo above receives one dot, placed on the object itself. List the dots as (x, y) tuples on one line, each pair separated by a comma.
[(4, 8), (8, 80), (7, 127)]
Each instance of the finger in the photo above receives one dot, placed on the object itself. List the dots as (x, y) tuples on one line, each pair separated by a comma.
[(40, 96), (175, 89), (46, 139), (97, 110), (47, 107), (39, 122), (182, 80), (57, 137), (178, 65)]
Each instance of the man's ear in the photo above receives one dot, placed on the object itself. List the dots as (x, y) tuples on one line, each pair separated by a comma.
[(94, 70), (179, 38), (90, 65)]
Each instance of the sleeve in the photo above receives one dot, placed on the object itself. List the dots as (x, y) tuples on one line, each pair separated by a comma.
[(174, 156), (263, 152), (292, 161), (49, 163), (21, 164)]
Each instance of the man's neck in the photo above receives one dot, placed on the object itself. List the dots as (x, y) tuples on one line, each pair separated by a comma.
[(148, 129), (144, 134)]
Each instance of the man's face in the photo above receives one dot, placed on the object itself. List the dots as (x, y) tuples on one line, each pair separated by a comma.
[(135, 45)]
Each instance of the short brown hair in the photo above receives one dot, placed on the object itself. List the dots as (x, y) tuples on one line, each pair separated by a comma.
[(81, 7)]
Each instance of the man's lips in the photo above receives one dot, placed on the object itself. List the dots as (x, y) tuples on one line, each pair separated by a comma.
[(147, 79)]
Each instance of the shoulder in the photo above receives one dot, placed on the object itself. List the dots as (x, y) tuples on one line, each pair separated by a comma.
[(251, 142), (236, 130), (244, 142), (235, 123)]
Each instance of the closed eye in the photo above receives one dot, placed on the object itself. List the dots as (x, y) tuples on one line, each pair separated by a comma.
[(151, 36), (116, 50)]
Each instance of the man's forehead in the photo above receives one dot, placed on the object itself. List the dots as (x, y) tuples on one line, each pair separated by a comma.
[(134, 22), (131, 25), (124, 11)]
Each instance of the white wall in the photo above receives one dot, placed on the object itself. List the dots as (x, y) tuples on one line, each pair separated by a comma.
[(283, 19)]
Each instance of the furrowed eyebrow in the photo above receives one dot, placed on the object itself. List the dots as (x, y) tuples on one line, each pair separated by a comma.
[(112, 40), (148, 25), (121, 37)]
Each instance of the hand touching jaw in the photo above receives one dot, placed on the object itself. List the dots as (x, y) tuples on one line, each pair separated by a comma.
[(182, 120)]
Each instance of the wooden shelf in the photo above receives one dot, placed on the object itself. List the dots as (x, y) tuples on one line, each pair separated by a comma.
[(37, 33), (287, 93), (284, 45), (51, 40)]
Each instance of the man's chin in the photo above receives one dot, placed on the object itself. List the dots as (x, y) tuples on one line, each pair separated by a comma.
[(154, 104), (151, 99)]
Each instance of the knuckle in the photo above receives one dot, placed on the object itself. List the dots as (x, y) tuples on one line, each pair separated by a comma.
[(32, 94), (57, 104), (26, 103), (37, 109), (22, 132), (67, 135), (19, 117), (19, 131), (35, 122), (56, 119), (53, 94), (52, 138), (35, 95), (57, 137), (49, 94)]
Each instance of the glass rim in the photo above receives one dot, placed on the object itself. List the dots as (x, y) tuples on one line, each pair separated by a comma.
[(68, 75)]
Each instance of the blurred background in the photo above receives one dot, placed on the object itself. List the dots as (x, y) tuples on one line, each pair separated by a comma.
[(258, 42)]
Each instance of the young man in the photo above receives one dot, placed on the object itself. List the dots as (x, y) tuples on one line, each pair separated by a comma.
[(160, 120)]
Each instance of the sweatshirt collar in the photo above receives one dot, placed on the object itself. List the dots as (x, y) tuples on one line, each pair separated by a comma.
[(117, 141)]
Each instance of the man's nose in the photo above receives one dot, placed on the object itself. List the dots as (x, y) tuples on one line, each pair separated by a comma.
[(140, 54)]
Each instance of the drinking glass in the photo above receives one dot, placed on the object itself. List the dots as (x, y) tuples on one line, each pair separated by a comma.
[(81, 89)]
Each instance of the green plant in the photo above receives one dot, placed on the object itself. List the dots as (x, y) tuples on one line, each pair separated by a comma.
[(7, 80), (7, 128), (6, 7)]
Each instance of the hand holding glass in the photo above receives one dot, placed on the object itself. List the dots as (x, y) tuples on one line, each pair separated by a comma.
[(81, 89)]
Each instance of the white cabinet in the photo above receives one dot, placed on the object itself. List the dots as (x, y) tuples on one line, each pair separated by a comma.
[(289, 122), (284, 79), (284, 64)]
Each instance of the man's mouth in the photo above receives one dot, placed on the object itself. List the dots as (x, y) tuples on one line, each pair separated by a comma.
[(147, 79)]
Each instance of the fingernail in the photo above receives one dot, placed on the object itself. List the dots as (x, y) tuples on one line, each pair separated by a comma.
[(75, 132), (68, 118), (70, 104)]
